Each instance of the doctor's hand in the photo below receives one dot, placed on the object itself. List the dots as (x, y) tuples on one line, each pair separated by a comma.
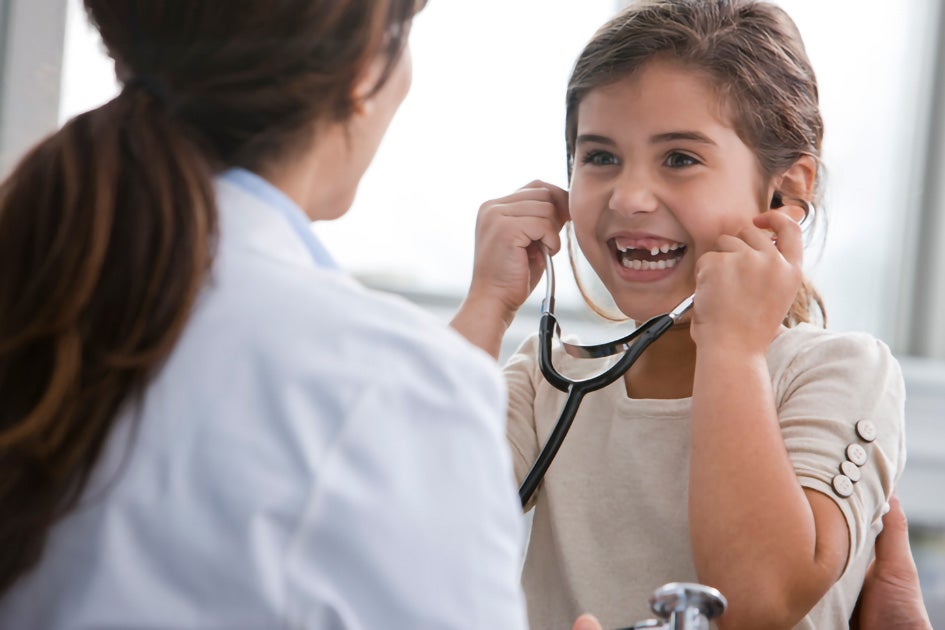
[(509, 262), (746, 286), (587, 622), (891, 598)]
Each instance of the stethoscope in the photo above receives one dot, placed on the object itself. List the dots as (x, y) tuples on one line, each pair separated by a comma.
[(632, 346)]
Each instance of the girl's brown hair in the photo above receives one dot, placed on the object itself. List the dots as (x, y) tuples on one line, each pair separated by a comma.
[(753, 53), (107, 227)]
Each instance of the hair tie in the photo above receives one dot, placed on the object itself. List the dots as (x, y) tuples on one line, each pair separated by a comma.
[(152, 86)]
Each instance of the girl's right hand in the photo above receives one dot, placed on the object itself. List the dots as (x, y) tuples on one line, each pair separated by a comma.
[(510, 233), (509, 262)]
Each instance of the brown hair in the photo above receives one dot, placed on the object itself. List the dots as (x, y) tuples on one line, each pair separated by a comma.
[(107, 227), (753, 53)]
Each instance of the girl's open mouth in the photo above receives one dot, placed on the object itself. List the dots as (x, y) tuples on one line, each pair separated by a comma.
[(648, 254)]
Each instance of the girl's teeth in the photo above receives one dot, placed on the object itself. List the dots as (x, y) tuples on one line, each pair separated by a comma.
[(656, 249), (647, 265)]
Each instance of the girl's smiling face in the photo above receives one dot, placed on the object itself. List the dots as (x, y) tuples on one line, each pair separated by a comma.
[(659, 174)]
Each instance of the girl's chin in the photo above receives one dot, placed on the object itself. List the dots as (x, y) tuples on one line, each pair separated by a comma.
[(640, 312)]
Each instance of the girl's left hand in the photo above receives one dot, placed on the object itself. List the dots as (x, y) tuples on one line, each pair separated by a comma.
[(746, 286)]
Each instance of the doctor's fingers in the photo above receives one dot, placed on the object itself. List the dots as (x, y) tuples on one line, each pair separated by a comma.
[(894, 561), (587, 622)]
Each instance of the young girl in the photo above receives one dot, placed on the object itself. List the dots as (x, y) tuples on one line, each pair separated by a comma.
[(749, 449)]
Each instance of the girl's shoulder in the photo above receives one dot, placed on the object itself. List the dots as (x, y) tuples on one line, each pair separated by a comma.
[(837, 375), (806, 346)]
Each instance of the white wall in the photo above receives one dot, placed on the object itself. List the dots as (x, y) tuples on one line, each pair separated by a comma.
[(31, 44)]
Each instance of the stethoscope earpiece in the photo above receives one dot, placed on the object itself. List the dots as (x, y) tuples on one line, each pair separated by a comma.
[(777, 201)]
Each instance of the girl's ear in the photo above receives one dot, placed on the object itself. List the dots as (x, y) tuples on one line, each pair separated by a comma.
[(796, 183)]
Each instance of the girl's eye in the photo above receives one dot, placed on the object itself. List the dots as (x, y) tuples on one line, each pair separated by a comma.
[(599, 158), (679, 160)]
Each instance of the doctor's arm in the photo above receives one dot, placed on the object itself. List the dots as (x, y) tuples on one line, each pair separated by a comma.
[(413, 522), (891, 598), (510, 234)]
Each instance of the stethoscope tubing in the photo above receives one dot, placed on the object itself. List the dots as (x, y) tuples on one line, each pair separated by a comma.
[(634, 345), (649, 332)]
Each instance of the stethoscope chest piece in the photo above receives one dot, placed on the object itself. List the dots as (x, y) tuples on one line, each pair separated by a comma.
[(683, 606)]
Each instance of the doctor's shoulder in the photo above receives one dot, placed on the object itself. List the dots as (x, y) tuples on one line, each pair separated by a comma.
[(322, 323)]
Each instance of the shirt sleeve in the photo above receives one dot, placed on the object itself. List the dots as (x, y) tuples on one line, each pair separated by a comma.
[(414, 522), (841, 408)]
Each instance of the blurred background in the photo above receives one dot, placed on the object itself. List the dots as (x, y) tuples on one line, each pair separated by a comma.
[(485, 116)]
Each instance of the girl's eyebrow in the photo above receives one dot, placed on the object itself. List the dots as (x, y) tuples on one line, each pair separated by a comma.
[(590, 137), (670, 136), (673, 136)]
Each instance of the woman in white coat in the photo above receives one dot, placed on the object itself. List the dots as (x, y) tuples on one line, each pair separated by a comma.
[(205, 423)]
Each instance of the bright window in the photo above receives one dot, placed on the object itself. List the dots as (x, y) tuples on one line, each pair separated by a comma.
[(486, 113)]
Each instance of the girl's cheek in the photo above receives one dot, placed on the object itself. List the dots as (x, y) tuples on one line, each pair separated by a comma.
[(584, 225)]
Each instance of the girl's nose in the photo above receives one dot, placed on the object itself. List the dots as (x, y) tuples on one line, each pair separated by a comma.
[(633, 192)]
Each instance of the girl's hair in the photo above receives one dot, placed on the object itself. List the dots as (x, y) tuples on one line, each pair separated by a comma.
[(107, 227), (752, 52)]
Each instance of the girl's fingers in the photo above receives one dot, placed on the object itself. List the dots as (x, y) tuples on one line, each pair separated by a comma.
[(539, 231), (757, 239), (523, 231), (730, 244), (534, 213), (552, 200), (528, 208), (558, 197), (787, 232)]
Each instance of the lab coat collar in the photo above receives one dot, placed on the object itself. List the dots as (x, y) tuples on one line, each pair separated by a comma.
[(254, 185)]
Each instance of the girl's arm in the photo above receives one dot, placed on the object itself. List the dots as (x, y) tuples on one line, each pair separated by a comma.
[(772, 547), (509, 262)]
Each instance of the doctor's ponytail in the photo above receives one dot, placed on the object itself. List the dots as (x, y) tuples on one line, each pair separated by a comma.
[(107, 227), (106, 231)]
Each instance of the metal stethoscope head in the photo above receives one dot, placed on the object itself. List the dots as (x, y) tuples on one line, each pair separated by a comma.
[(683, 606), (631, 345)]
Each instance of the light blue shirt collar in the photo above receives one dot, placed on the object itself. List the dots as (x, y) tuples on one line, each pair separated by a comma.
[(273, 197)]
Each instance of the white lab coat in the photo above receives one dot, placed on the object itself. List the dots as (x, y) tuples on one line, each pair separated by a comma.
[(312, 455)]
